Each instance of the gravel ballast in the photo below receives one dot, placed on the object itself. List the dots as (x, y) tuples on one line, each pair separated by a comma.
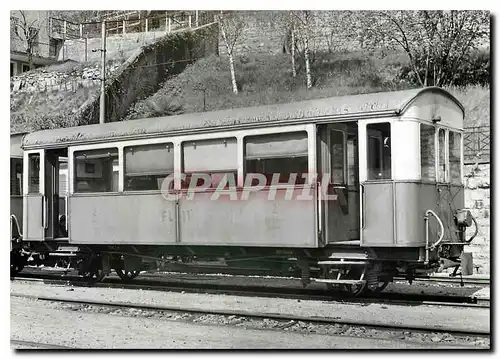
[(38, 321)]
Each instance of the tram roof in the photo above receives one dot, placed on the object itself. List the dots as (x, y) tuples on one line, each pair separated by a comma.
[(363, 105)]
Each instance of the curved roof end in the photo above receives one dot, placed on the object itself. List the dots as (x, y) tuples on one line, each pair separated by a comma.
[(440, 90)]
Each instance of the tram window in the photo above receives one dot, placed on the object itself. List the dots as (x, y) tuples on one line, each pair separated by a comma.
[(63, 178), (427, 152), (96, 170), (146, 166), (352, 160), (454, 157), (337, 144), (214, 157), (379, 150), (16, 176), (284, 153), (34, 173), (442, 158)]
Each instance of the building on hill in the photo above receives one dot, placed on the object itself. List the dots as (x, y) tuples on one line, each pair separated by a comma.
[(31, 42)]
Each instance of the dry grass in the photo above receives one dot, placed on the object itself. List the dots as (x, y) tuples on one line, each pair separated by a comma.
[(267, 79)]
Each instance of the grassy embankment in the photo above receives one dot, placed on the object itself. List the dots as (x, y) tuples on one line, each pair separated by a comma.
[(266, 79)]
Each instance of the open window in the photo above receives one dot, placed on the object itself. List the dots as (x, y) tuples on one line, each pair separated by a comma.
[(379, 151), (284, 154), (217, 158), (96, 170), (147, 166)]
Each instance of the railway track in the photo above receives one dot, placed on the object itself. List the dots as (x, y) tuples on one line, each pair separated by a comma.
[(29, 345), (287, 318), (196, 284)]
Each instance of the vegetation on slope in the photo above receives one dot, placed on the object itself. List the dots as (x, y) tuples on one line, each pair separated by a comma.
[(267, 79)]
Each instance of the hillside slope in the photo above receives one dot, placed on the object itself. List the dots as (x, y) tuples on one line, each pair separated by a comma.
[(267, 79)]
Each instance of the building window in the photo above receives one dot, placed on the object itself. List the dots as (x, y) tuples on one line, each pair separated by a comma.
[(215, 157), (25, 68), (427, 152), (379, 150), (96, 170), (441, 156), (16, 176), (454, 139), (284, 154), (147, 166), (34, 173), (54, 47)]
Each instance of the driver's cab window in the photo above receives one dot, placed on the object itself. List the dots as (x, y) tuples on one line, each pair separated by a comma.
[(378, 151)]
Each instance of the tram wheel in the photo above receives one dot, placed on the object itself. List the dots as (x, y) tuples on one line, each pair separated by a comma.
[(95, 276), (381, 286), (355, 290), (127, 275), (17, 262)]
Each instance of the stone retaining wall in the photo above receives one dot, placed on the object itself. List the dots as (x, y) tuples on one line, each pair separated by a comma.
[(477, 199)]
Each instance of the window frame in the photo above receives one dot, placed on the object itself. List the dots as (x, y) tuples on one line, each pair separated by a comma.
[(438, 155), (13, 164), (435, 154), (123, 168), (365, 134), (72, 168), (177, 140), (461, 158), (207, 171), (307, 180)]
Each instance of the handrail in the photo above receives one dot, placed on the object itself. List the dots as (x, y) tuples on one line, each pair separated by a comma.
[(13, 218), (426, 218), (475, 232)]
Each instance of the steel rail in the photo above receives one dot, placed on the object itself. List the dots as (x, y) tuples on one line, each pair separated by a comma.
[(38, 345), (261, 315), (273, 292)]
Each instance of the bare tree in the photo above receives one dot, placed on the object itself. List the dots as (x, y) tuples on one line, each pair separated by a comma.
[(437, 43), (303, 21), (27, 32), (231, 27)]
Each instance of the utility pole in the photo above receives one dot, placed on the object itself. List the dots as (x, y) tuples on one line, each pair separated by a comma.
[(103, 75)]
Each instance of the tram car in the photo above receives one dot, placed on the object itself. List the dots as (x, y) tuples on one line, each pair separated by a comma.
[(351, 190)]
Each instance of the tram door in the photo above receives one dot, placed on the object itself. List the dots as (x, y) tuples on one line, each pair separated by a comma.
[(334, 162), (55, 193), (42, 203)]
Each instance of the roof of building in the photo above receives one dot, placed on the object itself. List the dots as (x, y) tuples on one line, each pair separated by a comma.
[(381, 103)]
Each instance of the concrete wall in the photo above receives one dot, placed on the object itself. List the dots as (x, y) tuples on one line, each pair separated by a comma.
[(144, 72), (477, 199), (117, 46)]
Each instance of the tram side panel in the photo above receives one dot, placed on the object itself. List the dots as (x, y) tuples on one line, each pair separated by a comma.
[(151, 219)]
